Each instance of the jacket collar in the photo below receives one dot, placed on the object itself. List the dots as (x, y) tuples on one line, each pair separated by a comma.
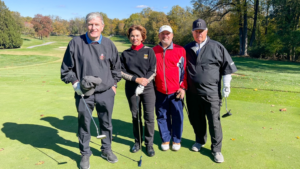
[(169, 47)]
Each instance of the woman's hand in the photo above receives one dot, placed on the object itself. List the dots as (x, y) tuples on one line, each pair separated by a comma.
[(142, 81)]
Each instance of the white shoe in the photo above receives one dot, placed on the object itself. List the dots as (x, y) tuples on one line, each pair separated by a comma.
[(176, 146), (218, 157), (197, 146), (165, 146)]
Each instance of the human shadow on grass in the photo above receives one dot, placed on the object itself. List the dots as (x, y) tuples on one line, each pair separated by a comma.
[(120, 128), (41, 137)]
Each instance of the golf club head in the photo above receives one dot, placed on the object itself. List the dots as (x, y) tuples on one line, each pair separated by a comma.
[(227, 114), (101, 136), (140, 162)]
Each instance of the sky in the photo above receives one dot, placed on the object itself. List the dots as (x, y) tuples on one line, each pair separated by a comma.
[(68, 9)]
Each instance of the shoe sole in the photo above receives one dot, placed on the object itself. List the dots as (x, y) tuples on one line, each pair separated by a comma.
[(108, 160), (87, 168)]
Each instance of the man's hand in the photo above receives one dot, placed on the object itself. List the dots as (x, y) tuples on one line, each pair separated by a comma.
[(114, 89), (226, 91), (180, 93), (139, 90), (77, 89), (142, 81)]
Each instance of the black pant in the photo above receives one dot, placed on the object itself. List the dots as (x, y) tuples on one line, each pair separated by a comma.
[(147, 98), (104, 103), (209, 106)]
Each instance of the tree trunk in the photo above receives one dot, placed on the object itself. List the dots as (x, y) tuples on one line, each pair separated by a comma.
[(245, 38), (256, 9), (240, 27)]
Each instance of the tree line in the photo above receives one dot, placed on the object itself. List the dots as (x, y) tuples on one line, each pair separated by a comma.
[(259, 28)]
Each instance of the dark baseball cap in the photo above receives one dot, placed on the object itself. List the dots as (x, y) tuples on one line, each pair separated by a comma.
[(199, 24), (88, 84)]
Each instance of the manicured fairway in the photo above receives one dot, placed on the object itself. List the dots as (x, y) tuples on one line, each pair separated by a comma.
[(39, 121)]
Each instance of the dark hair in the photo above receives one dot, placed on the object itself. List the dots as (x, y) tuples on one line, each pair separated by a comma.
[(139, 28)]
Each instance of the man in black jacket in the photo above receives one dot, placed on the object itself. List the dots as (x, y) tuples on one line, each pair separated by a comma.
[(91, 54), (207, 62)]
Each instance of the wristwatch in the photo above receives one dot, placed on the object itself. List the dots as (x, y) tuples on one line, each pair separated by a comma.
[(115, 85)]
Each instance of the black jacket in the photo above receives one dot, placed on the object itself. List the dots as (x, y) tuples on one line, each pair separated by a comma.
[(83, 59), (205, 70)]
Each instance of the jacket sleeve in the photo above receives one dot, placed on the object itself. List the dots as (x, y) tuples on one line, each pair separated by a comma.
[(68, 66), (183, 77), (152, 67), (228, 66), (124, 72), (115, 65)]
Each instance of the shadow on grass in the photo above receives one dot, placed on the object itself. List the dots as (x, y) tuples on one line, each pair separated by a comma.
[(120, 128), (41, 137), (256, 65), (25, 39)]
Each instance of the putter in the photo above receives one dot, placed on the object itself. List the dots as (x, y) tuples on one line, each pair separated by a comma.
[(98, 135), (227, 112), (137, 103)]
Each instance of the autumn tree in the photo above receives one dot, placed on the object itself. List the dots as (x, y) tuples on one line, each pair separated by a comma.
[(10, 31), (181, 21), (42, 25), (19, 20), (155, 21)]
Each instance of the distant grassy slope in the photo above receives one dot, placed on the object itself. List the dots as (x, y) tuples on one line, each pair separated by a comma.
[(269, 75)]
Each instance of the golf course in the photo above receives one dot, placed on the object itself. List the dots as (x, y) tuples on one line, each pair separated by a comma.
[(39, 119)]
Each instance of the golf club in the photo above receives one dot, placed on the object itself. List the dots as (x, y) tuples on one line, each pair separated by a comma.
[(137, 103), (98, 135), (227, 112)]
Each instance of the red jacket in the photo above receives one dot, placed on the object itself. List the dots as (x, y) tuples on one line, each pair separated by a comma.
[(170, 69)]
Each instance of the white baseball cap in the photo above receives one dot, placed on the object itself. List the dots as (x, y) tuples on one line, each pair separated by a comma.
[(165, 28)]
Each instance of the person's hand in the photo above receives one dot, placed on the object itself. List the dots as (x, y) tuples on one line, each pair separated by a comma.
[(226, 91), (180, 93), (77, 89), (142, 81), (139, 90), (114, 89)]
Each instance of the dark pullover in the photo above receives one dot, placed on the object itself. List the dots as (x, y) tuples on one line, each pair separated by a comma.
[(138, 64), (83, 59)]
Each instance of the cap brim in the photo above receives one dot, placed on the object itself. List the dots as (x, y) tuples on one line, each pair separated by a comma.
[(166, 30), (199, 29)]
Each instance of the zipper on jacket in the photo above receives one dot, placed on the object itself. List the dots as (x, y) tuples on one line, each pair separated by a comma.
[(165, 71)]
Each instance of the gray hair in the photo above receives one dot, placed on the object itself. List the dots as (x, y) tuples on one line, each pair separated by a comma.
[(93, 15)]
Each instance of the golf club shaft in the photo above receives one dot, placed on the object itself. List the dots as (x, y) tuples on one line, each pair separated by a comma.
[(90, 115), (185, 107), (226, 103), (137, 104)]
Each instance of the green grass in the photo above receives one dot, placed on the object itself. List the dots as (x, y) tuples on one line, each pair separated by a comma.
[(267, 75), (39, 119), (23, 60)]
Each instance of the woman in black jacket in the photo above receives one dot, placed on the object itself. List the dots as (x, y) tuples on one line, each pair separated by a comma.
[(138, 69)]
